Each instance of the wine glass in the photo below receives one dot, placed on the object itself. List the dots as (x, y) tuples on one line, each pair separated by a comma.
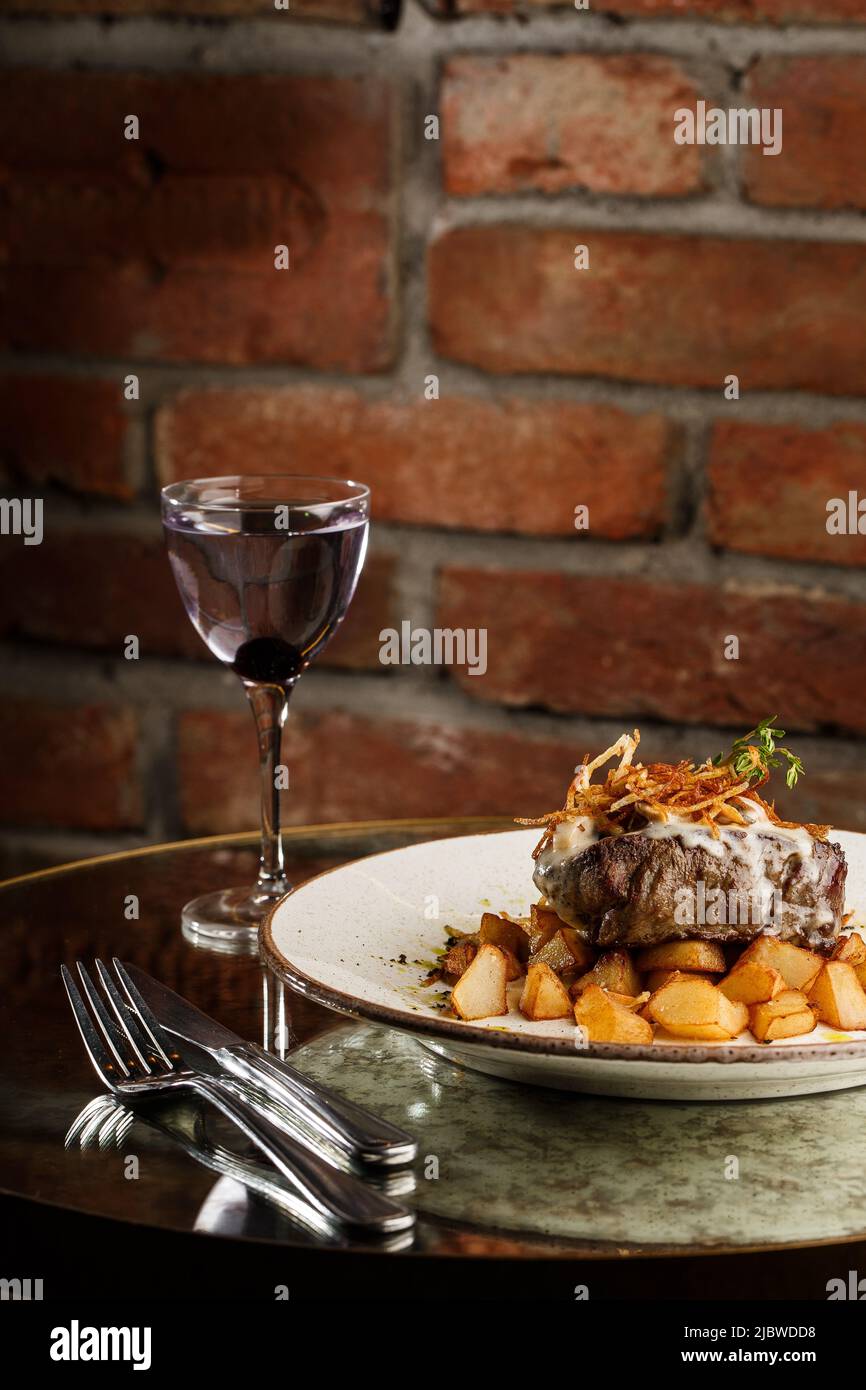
[(266, 568)]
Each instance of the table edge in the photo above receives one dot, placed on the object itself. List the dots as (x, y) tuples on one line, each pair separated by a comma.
[(243, 837)]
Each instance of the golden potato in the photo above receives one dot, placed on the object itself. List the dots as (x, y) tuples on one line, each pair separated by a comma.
[(481, 990), (606, 1020), (752, 982), (788, 1001), (851, 949), (516, 968), (502, 932), (797, 967), (613, 971), (634, 1003), (838, 996), (700, 956), (457, 960), (791, 1026), (564, 951), (544, 995), (656, 978), (787, 1015), (540, 928), (690, 1008)]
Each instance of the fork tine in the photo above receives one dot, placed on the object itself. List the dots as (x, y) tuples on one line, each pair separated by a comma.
[(116, 1040), (159, 1037), (91, 1129), (113, 1128), (110, 1070), (128, 1022), (83, 1118)]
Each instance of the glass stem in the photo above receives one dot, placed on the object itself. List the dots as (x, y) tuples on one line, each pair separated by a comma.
[(269, 704)]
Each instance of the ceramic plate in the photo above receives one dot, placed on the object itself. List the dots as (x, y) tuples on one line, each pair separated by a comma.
[(361, 938)]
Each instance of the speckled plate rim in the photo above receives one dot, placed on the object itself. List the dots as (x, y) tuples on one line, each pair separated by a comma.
[(455, 1031)]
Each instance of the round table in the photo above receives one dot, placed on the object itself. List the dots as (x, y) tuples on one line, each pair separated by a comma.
[(629, 1198)]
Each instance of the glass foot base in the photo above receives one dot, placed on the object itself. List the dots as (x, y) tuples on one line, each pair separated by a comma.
[(229, 919)]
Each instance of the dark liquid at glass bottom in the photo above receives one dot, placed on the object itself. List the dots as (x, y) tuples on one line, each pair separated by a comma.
[(266, 602)]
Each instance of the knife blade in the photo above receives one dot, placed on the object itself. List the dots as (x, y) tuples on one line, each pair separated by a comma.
[(353, 1130)]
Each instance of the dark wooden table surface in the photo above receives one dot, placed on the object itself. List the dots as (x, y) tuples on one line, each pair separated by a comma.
[(61, 1202)]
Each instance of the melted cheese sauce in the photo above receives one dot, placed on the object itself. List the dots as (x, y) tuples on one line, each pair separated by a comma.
[(743, 843), (570, 838)]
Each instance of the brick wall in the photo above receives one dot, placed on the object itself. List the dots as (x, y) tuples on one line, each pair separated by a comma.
[(558, 388)]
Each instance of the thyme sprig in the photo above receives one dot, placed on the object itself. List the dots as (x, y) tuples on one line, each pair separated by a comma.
[(755, 754)]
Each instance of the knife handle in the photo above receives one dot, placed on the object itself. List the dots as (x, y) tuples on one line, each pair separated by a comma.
[(338, 1197), (352, 1129)]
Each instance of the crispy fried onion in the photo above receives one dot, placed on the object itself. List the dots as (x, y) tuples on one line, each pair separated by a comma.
[(633, 795)]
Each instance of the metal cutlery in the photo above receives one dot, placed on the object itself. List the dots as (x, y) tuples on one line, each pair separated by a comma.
[(363, 1137), (105, 1123), (137, 1061)]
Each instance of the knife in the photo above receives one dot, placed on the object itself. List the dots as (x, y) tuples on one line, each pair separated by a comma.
[(353, 1131)]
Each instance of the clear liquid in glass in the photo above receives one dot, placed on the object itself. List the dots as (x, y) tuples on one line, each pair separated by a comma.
[(266, 600)]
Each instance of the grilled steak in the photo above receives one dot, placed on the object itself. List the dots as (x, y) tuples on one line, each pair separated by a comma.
[(639, 889)]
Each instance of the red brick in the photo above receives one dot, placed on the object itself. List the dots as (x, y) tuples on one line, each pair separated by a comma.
[(433, 769), (186, 221), (163, 248), (823, 132), (70, 767), (462, 461), (770, 485), (92, 589), (554, 122), (336, 761), (670, 309), (725, 11), (68, 430), (632, 648), (326, 135), (357, 643)]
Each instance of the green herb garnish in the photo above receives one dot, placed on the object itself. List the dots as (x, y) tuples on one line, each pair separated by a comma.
[(754, 755)]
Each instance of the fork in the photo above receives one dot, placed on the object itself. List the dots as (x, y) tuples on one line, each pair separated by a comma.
[(137, 1066)]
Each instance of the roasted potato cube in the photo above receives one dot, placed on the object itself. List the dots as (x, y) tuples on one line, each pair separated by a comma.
[(502, 932), (516, 968), (701, 956), (788, 1001), (752, 982), (458, 959), (544, 995), (481, 990), (851, 949), (634, 1003), (788, 1015), (838, 996), (564, 951), (690, 1008), (613, 971), (606, 1020), (656, 978), (543, 923), (791, 1026), (797, 967), (583, 953)]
